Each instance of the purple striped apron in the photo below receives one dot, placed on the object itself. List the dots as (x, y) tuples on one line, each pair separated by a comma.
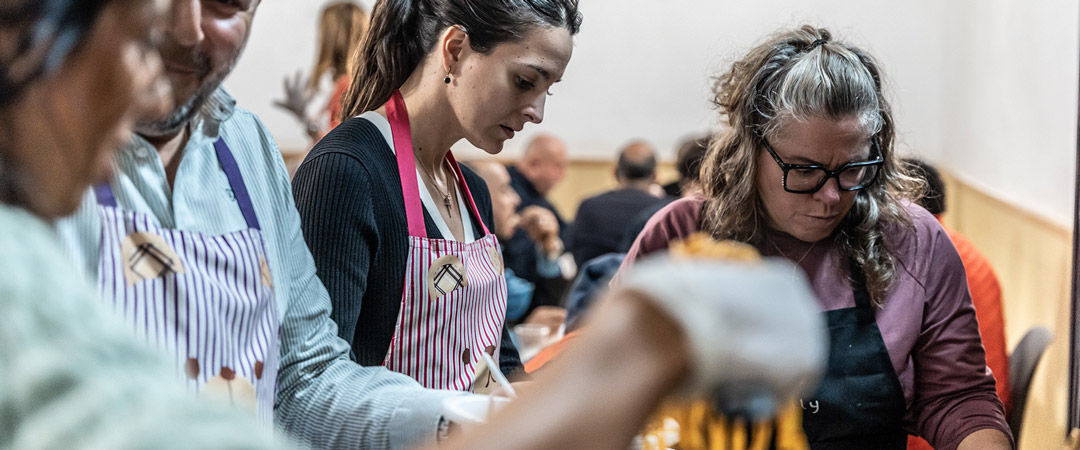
[(208, 301), (454, 301)]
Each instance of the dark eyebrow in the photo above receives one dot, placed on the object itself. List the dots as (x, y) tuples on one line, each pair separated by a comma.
[(543, 72)]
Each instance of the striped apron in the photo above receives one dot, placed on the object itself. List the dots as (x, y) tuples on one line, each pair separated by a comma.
[(454, 301), (207, 301)]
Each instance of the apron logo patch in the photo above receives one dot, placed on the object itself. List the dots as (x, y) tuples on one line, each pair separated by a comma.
[(496, 259), (147, 256), (445, 275)]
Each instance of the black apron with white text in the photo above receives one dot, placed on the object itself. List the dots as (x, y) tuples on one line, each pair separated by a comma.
[(859, 404)]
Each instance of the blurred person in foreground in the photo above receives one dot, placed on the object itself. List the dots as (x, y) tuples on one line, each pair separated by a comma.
[(983, 284), (78, 77), (806, 170)]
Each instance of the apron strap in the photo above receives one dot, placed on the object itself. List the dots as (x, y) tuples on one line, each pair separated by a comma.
[(236, 181), (105, 197), (465, 190), (398, 117), (863, 305), (104, 194)]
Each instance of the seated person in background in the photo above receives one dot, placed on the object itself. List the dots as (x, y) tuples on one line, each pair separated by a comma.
[(983, 284), (601, 220), (541, 168), (538, 223), (688, 164)]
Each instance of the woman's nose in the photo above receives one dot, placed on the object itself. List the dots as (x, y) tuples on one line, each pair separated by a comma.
[(534, 112), (829, 192)]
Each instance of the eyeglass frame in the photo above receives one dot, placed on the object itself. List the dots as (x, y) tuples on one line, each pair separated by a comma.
[(785, 167)]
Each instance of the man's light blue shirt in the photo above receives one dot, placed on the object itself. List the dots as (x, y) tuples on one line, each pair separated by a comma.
[(323, 397)]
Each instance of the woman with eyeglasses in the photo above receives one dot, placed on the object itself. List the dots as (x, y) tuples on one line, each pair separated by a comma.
[(807, 170)]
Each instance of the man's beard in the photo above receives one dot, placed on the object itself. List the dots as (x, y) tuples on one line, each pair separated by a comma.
[(187, 109), (181, 116)]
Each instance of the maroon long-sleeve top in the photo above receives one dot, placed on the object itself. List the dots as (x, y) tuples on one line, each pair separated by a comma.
[(927, 322)]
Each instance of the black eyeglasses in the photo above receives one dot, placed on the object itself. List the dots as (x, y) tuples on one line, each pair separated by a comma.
[(809, 178)]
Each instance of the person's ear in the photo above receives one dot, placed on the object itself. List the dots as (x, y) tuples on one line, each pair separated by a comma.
[(453, 45)]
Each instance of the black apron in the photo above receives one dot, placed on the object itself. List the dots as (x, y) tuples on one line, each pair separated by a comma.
[(859, 404)]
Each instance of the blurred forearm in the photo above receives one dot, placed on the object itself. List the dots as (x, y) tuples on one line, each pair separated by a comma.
[(638, 354)]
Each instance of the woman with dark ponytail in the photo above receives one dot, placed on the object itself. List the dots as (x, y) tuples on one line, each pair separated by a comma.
[(400, 232)]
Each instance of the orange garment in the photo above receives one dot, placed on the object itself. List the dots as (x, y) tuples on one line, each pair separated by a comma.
[(550, 352), (333, 106), (986, 296)]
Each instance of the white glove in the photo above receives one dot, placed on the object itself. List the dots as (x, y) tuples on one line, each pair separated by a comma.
[(756, 334)]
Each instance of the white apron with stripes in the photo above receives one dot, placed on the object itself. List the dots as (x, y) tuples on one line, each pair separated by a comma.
[(207, 301), (454, 302)]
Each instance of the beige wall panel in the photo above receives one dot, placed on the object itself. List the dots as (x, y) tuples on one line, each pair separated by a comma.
[(586, 178), (1033, 261)]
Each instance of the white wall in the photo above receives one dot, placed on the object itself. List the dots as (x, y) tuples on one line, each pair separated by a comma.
[(985, 88), (1010, 119)]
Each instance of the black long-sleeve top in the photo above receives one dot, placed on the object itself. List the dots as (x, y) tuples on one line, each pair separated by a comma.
[(348, 192)]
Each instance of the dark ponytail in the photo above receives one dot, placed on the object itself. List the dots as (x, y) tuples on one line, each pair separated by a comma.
[(402, 32)]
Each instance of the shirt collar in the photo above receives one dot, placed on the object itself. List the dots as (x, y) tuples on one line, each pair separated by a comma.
[(206, 125), (218, 108)]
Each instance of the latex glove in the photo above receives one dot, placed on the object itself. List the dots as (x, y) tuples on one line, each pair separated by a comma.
[(756, 334), (296, 98)]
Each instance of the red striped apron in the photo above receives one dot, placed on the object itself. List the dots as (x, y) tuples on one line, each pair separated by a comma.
[(454, 301), (207, 301)]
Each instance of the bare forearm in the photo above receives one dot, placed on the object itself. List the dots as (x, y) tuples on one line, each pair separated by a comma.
[(601, 393), (985, 439)]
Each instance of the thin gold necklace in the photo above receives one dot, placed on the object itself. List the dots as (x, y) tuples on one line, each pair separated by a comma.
[(797, 263), (444, 192)]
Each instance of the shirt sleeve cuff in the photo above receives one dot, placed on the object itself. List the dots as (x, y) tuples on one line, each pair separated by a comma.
[(415, 421), (971, 429)]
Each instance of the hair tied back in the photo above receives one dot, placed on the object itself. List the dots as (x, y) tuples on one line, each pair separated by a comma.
[(817, 43)]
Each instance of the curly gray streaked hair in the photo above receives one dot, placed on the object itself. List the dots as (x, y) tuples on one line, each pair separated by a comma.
[(794, 76)]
